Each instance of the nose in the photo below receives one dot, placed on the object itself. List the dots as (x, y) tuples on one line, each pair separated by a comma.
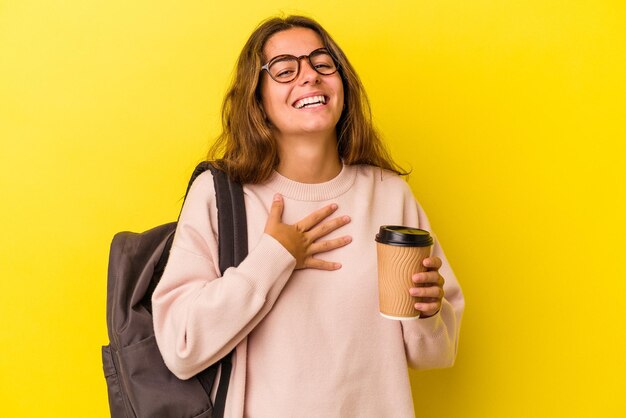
[(307, 73)]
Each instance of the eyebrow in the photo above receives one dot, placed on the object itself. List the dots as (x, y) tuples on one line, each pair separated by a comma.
[(276, 57)]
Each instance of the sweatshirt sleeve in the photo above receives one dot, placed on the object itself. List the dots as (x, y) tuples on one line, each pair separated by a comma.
[(432, 342), (199, 317)]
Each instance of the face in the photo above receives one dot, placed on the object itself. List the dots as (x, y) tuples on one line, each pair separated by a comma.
[(283, 102)]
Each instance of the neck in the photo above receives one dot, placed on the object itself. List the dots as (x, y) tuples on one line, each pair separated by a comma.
[(308, 159)]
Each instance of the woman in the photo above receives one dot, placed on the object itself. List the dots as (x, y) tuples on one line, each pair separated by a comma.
[(301, 309)]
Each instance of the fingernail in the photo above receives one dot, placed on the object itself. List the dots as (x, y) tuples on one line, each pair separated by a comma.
[(277, 197), (337, 266), (348, 239), (346, 218), (334, 206)]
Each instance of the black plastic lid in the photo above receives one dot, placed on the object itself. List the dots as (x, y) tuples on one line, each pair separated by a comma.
[(404, 236)]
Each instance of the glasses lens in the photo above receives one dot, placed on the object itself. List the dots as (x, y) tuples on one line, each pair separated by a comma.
[(323, 62), (284, 69)]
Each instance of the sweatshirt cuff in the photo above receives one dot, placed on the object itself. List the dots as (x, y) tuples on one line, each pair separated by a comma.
[(268, 264)]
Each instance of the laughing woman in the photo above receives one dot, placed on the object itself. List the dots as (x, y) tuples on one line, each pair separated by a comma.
[(301, 311)]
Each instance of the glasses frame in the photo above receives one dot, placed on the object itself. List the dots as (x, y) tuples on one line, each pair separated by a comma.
[(266, 67)]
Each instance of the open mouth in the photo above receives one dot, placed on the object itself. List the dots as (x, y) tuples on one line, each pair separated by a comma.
[(313, 101)]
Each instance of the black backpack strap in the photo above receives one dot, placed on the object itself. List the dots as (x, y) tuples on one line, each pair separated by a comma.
[(231, 214), (200, 168), (222, 390), (233, 248)]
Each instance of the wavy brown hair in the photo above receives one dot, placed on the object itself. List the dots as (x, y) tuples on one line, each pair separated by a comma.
[(246, 148)]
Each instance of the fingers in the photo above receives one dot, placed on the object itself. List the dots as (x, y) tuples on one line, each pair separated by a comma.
[(300, 239), (428, 309), (323, 246), (315, 217), (316, 263), (428, 278), (326, 228), (428, 290), (432, 263), (427, 294), (276, 210)]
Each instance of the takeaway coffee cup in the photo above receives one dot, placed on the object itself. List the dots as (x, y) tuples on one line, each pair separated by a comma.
[(400, 250)]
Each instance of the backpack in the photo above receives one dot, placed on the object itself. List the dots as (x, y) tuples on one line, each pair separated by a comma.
[(138, 382)]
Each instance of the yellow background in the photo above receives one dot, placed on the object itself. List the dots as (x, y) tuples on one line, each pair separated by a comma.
[(512, 114)]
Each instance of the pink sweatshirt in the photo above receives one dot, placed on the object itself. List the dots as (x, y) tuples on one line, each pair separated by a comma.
[(309, 343)]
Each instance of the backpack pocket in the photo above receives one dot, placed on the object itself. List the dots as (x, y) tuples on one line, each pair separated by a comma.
[(151, 389), (116, 399)]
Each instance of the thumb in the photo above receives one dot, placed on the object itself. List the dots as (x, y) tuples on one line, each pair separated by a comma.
[(276, 210)]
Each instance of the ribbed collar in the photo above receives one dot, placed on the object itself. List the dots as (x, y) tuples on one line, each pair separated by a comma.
[(314, 192)]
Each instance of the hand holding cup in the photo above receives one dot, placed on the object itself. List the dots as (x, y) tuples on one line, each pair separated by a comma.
[(428, 287), (402, 270)]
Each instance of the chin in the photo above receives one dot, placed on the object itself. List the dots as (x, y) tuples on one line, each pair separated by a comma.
[(319, 126)]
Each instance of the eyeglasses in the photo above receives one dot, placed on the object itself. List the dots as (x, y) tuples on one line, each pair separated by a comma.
[(285, 68)]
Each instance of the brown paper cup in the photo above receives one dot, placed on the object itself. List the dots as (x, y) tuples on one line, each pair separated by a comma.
[(400, 251)]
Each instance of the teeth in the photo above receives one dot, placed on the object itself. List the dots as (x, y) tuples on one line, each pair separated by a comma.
[(309, 101)]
